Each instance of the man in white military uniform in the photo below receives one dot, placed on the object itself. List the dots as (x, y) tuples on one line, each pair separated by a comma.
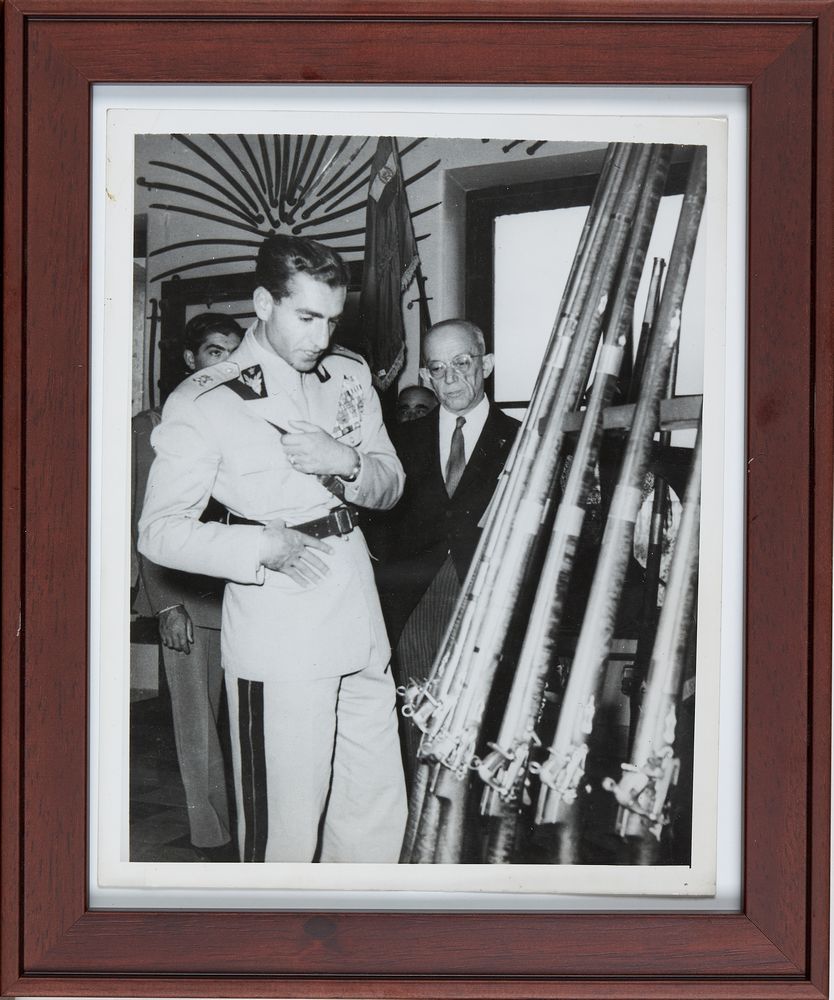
[(285, 434)]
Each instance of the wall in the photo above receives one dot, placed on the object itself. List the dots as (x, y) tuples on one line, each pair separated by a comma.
[(203, 165)]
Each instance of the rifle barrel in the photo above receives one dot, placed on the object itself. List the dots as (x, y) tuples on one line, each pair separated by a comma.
[(443, 684), (654, 557), (562, 774), (527, 529), (505, 768), (645, 785)]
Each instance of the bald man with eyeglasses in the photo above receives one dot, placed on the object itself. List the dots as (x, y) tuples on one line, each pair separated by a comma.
[(452, 459)]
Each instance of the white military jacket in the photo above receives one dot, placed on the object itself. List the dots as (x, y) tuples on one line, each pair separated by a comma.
[(220, 436)]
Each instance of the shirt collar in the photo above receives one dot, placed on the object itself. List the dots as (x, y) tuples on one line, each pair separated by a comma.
[(475, 418)]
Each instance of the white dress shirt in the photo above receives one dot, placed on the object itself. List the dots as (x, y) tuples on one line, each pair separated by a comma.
[(475, 420)]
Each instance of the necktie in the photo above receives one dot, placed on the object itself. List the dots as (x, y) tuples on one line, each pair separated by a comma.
[(457, 458)]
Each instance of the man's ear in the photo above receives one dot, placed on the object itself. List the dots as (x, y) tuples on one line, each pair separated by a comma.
[(263, 302), (488, 362), (190, 360)]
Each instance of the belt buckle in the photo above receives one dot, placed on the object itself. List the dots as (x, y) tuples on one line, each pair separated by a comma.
[(343, 519)]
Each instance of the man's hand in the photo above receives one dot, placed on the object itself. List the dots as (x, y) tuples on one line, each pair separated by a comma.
[(311, 449), (176, 629), (290, 552)]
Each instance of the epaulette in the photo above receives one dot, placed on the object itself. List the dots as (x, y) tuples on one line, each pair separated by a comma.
[(336, 351), (345, 353), (207, 378)]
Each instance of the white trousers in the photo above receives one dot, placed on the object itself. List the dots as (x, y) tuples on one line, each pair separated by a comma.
[(318, 770)]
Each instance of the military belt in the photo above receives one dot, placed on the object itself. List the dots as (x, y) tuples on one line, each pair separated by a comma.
[(340, 521)]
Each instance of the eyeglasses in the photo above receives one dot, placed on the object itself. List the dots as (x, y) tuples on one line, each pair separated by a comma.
[(461, 365)]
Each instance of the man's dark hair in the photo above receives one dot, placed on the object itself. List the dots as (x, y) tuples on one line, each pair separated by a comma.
[(281, 257), (199, 327)]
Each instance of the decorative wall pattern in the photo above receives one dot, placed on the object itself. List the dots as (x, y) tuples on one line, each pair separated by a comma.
[(312, 185)]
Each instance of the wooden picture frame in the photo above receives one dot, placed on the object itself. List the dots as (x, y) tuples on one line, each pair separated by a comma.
[(777, 946)]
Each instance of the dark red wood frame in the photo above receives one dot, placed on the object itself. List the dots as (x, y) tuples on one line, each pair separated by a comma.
[(778, 945)]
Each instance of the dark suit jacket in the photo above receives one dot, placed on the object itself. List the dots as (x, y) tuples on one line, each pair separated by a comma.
[(411, 541)]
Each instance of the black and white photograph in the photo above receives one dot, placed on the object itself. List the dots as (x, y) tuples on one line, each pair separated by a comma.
[(421, 429)]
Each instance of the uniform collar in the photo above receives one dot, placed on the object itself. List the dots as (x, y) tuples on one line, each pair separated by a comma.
[(276, 371)]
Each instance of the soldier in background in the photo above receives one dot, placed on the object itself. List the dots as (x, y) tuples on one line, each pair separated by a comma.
[(187, 609), (413, 402)]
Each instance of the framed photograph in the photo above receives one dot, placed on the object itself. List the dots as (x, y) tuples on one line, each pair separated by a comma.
[(139, 842), (605, 768)]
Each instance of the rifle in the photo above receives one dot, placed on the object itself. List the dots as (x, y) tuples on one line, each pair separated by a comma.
[(563, 772), (504, 769), (633, 684), (454, 736), (429, 704), (644, 789), (455, 744)]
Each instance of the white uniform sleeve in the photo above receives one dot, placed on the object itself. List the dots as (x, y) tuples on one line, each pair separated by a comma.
[(179, 486), (380, 482)]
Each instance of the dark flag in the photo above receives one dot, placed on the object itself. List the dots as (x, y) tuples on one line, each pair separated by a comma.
[(391, 261)]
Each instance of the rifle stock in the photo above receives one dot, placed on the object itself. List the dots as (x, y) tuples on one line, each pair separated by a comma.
[(415, 809), (452, 792), (425, 837), (502, 830)]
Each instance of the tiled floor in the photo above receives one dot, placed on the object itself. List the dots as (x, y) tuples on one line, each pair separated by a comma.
[(158, 820)]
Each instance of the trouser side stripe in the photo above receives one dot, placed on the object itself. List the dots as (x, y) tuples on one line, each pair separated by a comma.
[(253, 768)]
